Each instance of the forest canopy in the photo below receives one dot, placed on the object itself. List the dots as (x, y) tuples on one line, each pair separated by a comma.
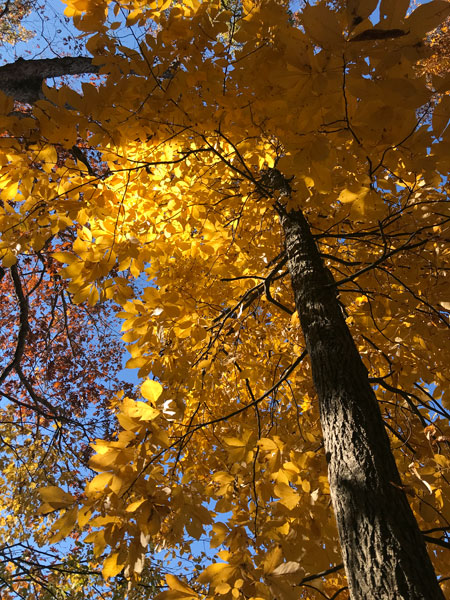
[(256, 193)]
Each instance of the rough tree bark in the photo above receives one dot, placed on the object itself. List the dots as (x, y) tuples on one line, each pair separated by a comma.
[(22, 80), (383, 550)]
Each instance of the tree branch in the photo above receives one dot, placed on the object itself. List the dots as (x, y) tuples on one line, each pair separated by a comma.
[(321, 574), (23, 325), (22, 79), (437, 541)]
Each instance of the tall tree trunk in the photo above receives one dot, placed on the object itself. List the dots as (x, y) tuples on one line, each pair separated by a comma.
[(383, 550)]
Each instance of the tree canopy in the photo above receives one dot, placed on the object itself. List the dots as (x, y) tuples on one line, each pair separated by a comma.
[(249, 183), (12, 13)]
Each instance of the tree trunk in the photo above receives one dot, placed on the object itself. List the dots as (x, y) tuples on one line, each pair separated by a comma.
[(383, 550)]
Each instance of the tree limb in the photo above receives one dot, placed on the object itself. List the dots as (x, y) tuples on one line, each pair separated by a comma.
[(23, 326), (322, 574), (437, 541), (22, 79)]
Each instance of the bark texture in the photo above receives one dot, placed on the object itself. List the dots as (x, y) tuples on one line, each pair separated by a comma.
[(22, 80), (384, 553)]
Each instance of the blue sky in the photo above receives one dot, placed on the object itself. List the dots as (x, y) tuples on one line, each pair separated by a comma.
[(49, 41)]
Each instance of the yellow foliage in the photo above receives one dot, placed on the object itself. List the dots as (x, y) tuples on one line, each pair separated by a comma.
[(218, 119)]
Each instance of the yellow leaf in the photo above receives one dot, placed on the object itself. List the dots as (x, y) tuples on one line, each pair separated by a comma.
[(223, 477), (350, 196), (267, 444), (10, 191), (9, 259), (442, 460), (321, 24), (306, 486), (234, 442), (151, 390), (175, 584), (139, 410), (64, 525), (273, 559), (99, 483), (84, 515), (127, 423), (48, 156), (111, 567), (217, 573), (56, 497), (135, 505), (82, 294), (287, 495), (64, 257), (172, 311), (94, 296)]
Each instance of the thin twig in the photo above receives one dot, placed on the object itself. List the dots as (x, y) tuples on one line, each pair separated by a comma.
[(322, 574)]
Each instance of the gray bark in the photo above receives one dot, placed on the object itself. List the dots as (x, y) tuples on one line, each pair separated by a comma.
[(384, 553), (22, 80)]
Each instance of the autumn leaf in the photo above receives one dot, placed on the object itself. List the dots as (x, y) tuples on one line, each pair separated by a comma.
[(151, 390), (55, 497)]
